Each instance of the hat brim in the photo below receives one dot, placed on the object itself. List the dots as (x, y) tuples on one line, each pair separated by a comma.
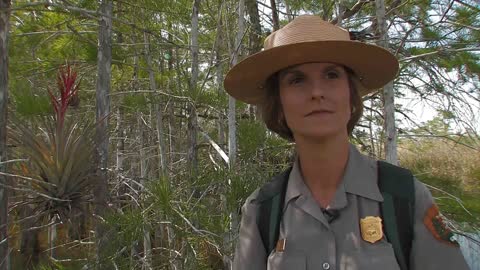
[(373, 66)]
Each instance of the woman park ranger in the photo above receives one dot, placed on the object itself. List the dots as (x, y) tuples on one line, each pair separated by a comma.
[(334, 208)]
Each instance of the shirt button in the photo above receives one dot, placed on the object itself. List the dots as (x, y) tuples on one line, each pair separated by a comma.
[(326, 266)]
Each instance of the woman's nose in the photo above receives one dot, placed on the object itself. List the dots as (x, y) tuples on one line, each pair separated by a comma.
[(318, 89)]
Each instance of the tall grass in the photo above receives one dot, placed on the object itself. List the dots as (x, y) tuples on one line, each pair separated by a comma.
[(451, 170)]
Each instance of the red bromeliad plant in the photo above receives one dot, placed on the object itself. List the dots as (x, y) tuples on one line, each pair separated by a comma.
[(60, 152), (68, 87)]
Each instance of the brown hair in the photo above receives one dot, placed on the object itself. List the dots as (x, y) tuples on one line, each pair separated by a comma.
[(272, 111)]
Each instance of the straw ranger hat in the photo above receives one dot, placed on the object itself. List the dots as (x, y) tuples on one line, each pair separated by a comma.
[(309, 39)]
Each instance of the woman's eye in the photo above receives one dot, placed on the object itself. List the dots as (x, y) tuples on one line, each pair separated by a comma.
[(295, 80), (332, 75)]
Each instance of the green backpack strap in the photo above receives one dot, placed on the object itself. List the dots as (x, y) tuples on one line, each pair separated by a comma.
[(397, 187), (271, 198)]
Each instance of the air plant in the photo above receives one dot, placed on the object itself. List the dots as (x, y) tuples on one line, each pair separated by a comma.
[(60, 152), (68, 86)]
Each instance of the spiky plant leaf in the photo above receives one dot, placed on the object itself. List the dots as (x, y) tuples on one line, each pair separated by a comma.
[(61, 162)]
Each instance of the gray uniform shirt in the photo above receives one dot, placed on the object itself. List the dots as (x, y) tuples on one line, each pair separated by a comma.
[(311, 242)]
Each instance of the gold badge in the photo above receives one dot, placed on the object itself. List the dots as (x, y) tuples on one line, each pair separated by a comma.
[(371, 228)]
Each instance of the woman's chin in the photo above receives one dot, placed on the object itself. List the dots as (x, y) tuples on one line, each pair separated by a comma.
[(321, 134)]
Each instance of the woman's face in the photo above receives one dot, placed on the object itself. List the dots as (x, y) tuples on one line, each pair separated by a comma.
[(315, 99)]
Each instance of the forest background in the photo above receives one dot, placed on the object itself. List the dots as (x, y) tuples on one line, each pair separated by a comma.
[(119, 148)]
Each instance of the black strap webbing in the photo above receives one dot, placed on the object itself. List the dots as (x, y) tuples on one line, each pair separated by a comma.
[(271, 199), (398, 191)]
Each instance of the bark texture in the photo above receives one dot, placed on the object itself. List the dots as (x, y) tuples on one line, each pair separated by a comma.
[(4, 27), (158, 111), (104, 62), (275, 20), (388, 95), (192, 112), (232, 124), (255, 40)]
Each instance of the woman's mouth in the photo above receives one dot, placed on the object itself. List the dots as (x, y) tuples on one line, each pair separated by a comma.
[(319, 112)]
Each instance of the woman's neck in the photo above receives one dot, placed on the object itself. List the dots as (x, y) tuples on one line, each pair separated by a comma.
[(322, 164)]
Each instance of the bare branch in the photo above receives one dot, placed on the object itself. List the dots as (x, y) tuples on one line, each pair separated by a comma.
[(192, 226), (464, 25), (216, 147), (468, 5), (51, 32), (458, 200), (93, 15), (349, 12), (469, 49)]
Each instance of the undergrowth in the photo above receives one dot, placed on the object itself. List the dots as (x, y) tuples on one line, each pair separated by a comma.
[(452, 172)]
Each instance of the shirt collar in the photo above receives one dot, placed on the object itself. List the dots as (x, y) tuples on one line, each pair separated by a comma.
[(360, 178), (295, 186)]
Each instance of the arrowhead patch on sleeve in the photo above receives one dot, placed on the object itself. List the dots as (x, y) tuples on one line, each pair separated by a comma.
[(437, 226)]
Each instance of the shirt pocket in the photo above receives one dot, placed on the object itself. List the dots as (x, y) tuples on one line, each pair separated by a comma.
[(286, 261), (381, 257)]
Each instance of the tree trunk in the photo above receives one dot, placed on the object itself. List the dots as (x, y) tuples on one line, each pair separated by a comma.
[(121, 135), (219, 83), (52, 238), (4, 28), (219, 49), (232, 128), (134, 250), (255, 40), (173, 257), (120, 156), (388, 95), (161, 142), (29, 245), (275, 20), (170, 108), (256, 31), (102, 112), (192, 112), (147, 244), (160, 130), (158, 111), (373, 152), (194, 45), (340, 10), (289, 13)]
